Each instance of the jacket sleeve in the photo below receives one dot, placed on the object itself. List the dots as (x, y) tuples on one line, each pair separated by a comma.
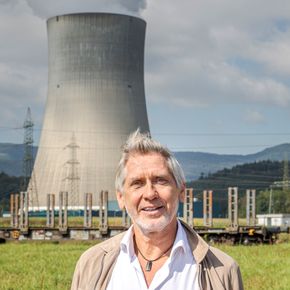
[(236, 278), (76, 278), (220, 272)]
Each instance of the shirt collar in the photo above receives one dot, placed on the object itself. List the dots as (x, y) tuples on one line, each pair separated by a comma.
[(180, 243), (127, 245), (198, 246)]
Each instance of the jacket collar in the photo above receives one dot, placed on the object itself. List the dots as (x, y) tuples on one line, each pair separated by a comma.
[(198, 246), (112, 244)]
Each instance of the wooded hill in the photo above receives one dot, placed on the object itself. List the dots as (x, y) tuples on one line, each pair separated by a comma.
[(8, 184), (258, 175), (194, 163)]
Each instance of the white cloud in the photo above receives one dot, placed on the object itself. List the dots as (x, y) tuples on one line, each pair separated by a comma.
[(46, 9), (202, 84), (23, 65), (190, 52), (254, 117), (198, 53), (275, 54)]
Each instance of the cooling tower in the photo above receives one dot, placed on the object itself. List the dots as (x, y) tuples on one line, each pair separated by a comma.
[(95, 99)]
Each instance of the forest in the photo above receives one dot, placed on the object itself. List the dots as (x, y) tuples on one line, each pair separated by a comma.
[(258, 175)]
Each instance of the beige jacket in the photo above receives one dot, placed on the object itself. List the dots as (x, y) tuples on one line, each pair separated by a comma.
[(216, 271)]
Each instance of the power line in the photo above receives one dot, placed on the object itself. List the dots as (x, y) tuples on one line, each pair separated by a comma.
[(161, 133), (172, 148), (221, 147), (10, 128), (223, 134)]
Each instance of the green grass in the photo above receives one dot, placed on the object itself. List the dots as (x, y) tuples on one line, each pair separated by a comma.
[(48, 265), (264, 267), (38, 265)]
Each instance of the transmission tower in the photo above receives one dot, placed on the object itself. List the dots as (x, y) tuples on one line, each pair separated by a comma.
[(280, 184), (28, 178), (72, 178)]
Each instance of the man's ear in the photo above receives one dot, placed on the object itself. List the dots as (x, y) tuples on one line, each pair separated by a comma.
[(182, 193), (120, 199)]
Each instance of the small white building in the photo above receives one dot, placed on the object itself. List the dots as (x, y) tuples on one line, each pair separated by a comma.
[(274, 219)]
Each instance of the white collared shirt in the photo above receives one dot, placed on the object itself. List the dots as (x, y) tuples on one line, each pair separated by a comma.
[(178, 272)]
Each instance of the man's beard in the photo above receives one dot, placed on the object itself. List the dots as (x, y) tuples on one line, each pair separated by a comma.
[(153, 225)]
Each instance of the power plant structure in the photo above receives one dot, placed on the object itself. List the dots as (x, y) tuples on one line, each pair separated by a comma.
[(95, 99)]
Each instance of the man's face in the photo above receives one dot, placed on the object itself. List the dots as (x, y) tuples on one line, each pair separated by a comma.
[(150, 194)]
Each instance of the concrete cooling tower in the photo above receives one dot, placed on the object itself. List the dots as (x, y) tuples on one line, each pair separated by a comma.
[(95, 100)]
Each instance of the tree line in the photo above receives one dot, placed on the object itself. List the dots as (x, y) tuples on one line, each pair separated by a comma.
[(8, 184), (258, 175)]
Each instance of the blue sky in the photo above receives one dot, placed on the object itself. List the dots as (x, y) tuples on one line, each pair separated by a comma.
[(216, 72)]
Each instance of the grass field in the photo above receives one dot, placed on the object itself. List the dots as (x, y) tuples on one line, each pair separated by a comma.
[(43, 265), (38, 265)]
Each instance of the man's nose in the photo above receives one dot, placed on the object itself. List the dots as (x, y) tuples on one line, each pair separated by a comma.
[(150, 191)]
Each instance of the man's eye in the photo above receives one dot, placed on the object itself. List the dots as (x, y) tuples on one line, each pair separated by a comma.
[(161, 180), (136, 183)]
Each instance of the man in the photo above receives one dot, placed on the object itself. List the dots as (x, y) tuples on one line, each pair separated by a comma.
[(158, 251)]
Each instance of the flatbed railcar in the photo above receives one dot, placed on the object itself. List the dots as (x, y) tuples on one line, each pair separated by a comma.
[(245, 235)]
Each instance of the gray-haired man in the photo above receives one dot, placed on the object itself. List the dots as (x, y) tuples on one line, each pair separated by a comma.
[(158, 251)]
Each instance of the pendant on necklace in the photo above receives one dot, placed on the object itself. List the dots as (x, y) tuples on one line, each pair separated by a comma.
[(148, 266)]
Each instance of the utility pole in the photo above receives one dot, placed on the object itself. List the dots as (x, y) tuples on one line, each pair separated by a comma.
[(285, 173), (270, 199)]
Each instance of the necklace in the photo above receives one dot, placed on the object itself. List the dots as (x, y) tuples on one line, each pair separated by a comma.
[(150, 262)]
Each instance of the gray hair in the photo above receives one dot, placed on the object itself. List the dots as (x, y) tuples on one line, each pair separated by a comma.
[(142, 143)]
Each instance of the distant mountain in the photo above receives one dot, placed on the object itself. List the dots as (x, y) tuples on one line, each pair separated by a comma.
[(276, 153), (194, 163), (198, 163)]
